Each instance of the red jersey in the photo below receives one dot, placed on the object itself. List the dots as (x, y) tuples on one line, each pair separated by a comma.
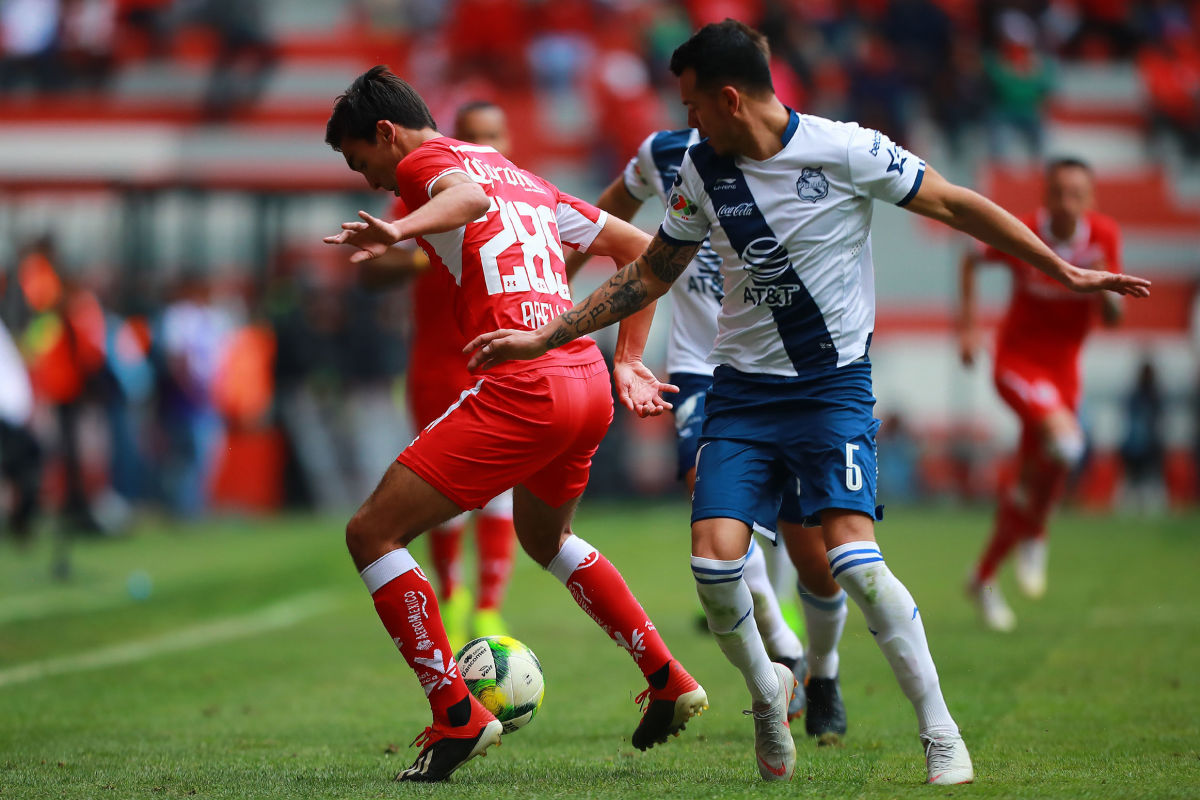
[(506, 267), (1047, 322)]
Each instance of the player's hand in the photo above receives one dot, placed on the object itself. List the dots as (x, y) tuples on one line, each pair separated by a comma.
[(1094, 280), (638, 389), (372, 237), (489, 349)]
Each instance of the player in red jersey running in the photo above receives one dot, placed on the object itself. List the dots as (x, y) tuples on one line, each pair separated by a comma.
[(437, 374), (1037, 375), (497, 230)]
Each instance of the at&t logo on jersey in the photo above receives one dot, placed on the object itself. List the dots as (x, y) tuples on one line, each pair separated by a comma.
[(767, 262), (812, 185)]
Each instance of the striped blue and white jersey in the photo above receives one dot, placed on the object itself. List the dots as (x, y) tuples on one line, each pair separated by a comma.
[(793, 235), (696, 295)]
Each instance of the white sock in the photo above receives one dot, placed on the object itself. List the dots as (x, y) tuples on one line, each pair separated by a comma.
[(779, 567), (780, 640), (574, 551), (386, 568), (824, 619), (728, 606), (893, 620)]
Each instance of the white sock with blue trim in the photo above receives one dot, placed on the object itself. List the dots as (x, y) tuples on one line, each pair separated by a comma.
[(824, 619), (728, 605), (780, 640), (894, 621)]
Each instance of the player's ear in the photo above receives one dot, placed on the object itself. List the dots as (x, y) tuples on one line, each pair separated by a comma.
[(731, 99), (385, 131)]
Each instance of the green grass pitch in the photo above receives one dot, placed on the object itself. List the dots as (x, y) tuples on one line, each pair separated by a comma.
[(255, 667)]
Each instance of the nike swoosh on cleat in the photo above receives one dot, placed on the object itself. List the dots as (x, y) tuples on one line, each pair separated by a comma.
[(780, 770)]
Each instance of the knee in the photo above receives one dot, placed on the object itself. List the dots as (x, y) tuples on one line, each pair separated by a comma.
[(359, 537), (367, 539), (1066, 447)]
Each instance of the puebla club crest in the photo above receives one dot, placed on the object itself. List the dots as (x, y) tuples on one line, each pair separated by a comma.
[(812, 185)]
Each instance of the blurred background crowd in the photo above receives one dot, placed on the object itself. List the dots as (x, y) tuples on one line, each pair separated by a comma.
[(176, 337)]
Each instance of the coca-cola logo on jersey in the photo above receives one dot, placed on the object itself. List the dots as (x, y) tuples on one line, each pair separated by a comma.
[(739, 210)]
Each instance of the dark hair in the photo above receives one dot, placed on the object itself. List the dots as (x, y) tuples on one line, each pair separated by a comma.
[(728, 53), (376, 94), (1067, 162)]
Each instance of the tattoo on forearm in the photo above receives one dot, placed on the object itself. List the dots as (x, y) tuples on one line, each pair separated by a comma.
[(667, 261), (623, 294)]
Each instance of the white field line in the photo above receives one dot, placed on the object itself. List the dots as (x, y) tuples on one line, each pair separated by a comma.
[(45, 605), (283, 614)]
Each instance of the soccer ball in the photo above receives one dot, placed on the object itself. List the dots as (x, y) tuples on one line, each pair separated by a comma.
[(505, 676)]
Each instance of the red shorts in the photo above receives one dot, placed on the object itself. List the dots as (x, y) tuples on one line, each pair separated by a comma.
[(1035, 391), (431, 392), (538, 429)]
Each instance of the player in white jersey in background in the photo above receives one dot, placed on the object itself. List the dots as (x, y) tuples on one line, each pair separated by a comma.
[(696, 300), (787, 202)]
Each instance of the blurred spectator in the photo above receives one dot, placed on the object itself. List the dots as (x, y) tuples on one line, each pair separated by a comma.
[(1170, 70), (624, 102), (373, 359), (148, 20), (245, 54), (899, 457), (88, 38), (664, 27), (561, 45), (1020, 78), (128, 403), (192, 336), (29, 45), (20, 455), (64, 345), (877, 92), (1143, 449), (1105, 30), (488, 37), (308, 381)]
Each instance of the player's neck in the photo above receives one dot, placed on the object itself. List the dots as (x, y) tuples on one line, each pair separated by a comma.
[(410, 139), (1064, 229), (767, 121)]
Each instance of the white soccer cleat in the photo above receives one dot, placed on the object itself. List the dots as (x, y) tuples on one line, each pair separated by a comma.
[(947, 761), (774, 749), (993, 609), (1030, 565)]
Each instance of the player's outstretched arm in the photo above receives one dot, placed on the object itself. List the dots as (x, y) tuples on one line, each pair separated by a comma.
[(972, 213), (455, 201), (631, 289)]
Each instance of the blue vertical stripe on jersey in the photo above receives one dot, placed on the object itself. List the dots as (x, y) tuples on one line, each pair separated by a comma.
[(800, 324), (667, 148)]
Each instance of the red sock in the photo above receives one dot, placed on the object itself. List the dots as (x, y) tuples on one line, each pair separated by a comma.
[(601, 592), (496, 539), (1012, 524), (445, 544), (405, 602)]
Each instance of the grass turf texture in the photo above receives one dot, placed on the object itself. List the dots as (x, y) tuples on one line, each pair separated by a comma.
[(257, 668)]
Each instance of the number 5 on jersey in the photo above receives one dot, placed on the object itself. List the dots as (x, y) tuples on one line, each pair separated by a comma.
[(854, 477)]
